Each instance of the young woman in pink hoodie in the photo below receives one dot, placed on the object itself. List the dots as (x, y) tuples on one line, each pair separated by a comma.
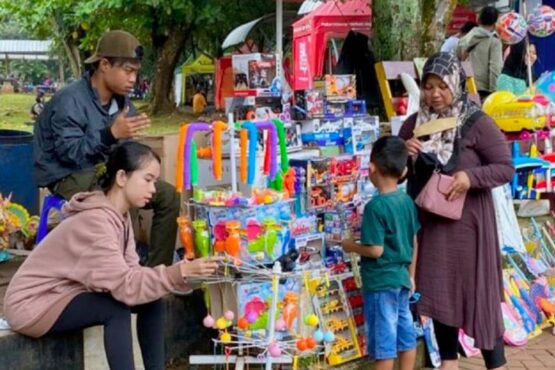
[(86, 272)]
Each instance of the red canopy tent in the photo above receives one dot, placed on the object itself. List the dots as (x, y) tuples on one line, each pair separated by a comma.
[(311, 33)]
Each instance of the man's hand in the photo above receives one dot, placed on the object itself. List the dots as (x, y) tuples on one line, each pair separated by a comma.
[(129, 127), (459, 186), (199, 267)]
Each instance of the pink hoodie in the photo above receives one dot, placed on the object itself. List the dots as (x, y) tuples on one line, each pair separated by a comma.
[(85, 253)]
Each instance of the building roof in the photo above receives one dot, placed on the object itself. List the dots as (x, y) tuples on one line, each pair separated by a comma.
[(26, 49)]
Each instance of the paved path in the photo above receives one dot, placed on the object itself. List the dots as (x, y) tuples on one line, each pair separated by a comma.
[(537, 354)]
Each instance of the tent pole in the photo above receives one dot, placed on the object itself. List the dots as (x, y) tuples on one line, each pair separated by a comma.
[(279, 28)]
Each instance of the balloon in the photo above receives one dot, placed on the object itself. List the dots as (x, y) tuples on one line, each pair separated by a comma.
[(329, 337), (274, 350), (318, 335), (208, 321), (541, 22), (311, 320), (221, 323), (310, 343), (301, 344), (511, 28), (225, 337), (243, 323), (229, 315)]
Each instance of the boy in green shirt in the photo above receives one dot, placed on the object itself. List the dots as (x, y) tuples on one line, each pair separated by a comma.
[(388, 250)]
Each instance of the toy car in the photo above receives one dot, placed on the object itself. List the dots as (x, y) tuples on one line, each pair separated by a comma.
[(341, 344), (331, 307), (516, 114), (336, 325)]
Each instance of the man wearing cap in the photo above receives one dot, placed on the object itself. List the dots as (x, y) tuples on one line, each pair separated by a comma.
[(82, 121)]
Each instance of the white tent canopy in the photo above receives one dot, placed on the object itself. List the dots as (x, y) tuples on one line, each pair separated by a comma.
[(26, 49)]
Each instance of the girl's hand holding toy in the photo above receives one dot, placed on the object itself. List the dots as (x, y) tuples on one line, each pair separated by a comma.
[(200, 266)]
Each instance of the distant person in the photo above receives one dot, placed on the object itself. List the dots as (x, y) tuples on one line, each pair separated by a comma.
[(450, 45), (38, 106), (484, 50), (82, 121), (199, 102), (514, 75)]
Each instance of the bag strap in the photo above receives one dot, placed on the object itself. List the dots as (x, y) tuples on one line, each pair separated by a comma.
[(470, 121)]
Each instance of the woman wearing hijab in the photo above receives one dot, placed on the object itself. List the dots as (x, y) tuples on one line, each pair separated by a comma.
[(514, 76), (459, 265)]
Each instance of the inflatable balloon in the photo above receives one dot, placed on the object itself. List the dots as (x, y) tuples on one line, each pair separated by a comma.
[(541, 22), (511, 28)]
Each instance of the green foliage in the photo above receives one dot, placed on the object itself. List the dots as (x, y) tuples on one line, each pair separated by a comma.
[(33, 71)]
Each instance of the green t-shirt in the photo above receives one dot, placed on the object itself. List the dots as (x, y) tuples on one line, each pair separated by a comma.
[(389, 220)]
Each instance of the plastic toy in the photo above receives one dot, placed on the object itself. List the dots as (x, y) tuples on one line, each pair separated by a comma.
[(228, 239), (336, 325), (201, 238), (252, 135), (340, 87), (186, 237), (511, 28), (514, 114)]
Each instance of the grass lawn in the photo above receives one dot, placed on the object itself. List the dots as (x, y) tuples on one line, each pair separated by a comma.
[(15, 108)]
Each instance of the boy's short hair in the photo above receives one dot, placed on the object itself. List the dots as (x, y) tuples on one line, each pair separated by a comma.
[(467, 27), (488, 16), (389, 155)]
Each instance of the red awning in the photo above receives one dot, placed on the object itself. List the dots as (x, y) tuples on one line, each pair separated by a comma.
[(311, 33)]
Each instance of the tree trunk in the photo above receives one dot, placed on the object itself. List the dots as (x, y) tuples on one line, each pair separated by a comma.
[(436, 15), (73, 58), (396, 29), (168, 55)]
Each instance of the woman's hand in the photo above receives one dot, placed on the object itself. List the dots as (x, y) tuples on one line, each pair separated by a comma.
[(459, 186), (414, 146), (199, 267)]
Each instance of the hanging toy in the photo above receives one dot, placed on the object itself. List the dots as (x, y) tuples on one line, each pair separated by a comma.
[(318, 335), (208, 321), (218, 127), (229, 315), (274, 350), (252, 131), (225, 337)]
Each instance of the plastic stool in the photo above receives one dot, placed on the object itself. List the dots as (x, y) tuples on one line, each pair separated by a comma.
[(51, 201)]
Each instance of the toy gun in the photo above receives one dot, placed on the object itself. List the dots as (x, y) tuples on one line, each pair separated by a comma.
[(228, 239), (202, 238), (186, 237), (263, 238)]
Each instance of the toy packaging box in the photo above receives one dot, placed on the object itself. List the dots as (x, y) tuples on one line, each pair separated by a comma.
[(254, 300), (340, 87), (254, 74), (360, 133)]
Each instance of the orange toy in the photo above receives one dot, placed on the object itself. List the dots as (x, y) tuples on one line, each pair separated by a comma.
[(243, 142), (179, 161), (218, 127), (186, 237), (233, 240), (290, 309)]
